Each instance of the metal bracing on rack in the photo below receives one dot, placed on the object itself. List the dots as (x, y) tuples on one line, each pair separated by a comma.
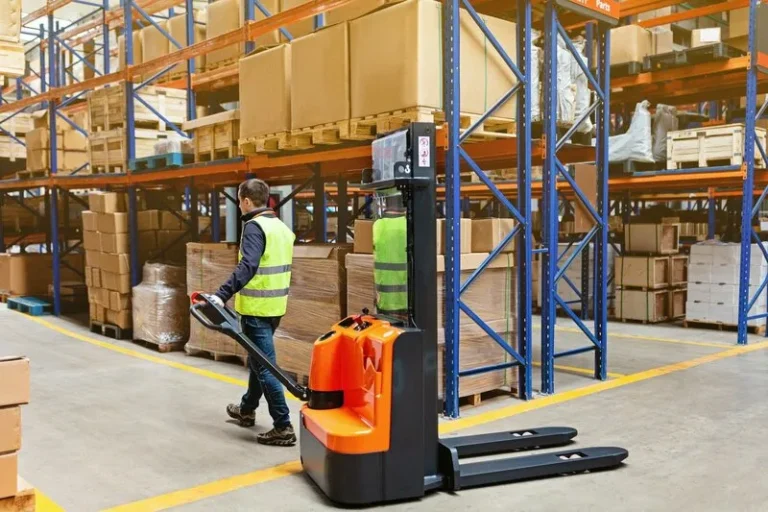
[(557, 177)]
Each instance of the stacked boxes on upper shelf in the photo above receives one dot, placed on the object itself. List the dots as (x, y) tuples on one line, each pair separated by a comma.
[(713, 283), (70, 145), (651, 275), (14, 392), (12, 60)]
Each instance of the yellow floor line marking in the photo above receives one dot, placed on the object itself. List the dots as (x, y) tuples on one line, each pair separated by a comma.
[(226, 485), (653, 338), (45, 504), (582, 371)]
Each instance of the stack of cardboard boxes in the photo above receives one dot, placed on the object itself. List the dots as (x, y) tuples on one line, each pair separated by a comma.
[(14, 392), (12, 61), (71, 145)]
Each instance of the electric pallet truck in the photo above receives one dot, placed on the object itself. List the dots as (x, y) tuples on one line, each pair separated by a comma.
[(369, 428)]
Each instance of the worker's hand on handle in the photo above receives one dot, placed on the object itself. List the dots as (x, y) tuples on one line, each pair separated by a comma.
[(197, 298)]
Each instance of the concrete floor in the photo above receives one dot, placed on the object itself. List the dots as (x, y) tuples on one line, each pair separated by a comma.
[(110, 427)]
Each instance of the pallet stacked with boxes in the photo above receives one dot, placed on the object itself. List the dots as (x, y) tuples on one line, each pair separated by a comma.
[(713, 284), (651, 275), (15, 494), (492, 296), (70, 147)]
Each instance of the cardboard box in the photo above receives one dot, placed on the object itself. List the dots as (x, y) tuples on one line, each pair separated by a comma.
[(300, 28), (265, 92), (12, 60), (137, 50), (465, 234), (177, 28), (586, 179), (354, 10), (15, 377), (364, 236), (487, 234), (118, 301), (10, 21), (649, 272), (9, 470), (147, 240), (92, 257), (90, 221), (74, 141), (113, 223), (705, 36), (646, 306), (122, 319), (652, 238), (170, 221), (147, 220), (114, 263), (40, 138), (320, 77), (382, 81), (635, 44), (699, 273), (154, 44), (96, 277), (10, 429), (106, 202), (91, 241), (101, 314), (116, 282), (227, 15), (30, 274), (662, 39), (115, 243)]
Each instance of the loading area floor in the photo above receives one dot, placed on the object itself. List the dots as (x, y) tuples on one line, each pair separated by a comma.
[(115, 426)]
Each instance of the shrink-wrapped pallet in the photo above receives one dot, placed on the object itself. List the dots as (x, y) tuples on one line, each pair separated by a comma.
[(160, 305)]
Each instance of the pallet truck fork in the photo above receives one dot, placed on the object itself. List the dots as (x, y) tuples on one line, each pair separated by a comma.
[(369, 428)]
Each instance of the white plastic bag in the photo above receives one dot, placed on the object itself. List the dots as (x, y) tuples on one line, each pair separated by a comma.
[(636, 143), (566, 88), (536, 84), (583, 97), (664, 120)]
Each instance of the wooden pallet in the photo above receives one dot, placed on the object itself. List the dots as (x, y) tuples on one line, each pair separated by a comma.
[(625, 69), (674, 59), (111, 331), (273, 143), (216, 356), (330, 134), (22, 501), (631, 167), (478, 398), (162, 347), (754, 329), (107, 150), (156, 162), (29, 175), (221, 64), (4, 296), (29, 305), (108, 169), (711, 146), (215, 137), (218, 154)]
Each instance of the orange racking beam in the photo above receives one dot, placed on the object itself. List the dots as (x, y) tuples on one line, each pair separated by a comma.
[(694, 13), (631, 7)]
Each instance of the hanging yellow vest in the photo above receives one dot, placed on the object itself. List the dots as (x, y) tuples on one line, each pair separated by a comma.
[(390, 265), (267, 293)]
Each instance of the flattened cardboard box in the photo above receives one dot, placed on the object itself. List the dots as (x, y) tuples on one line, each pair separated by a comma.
[(14, 376)]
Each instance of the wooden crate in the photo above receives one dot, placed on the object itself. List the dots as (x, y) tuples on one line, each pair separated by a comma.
[(678, 270), (709, 146), (652, 238), (646, 272), (106, 107), (649, 306), (677, 300), (107, 149), (215, 137)]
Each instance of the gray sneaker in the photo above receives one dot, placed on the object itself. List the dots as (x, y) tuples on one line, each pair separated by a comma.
[(244, 419), (278, 437)]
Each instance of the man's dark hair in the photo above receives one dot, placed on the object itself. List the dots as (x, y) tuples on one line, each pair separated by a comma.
[(255, 190)]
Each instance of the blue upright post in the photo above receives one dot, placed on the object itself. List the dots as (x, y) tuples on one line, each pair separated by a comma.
[(130, 145), (549, 219), (190, 19), (451, 91), (711, 215), (603, 118), (249, 15), (215, 216), (525, 238), (105, 36), (43, 74), (53, 195), (133, 234), (749, 176)]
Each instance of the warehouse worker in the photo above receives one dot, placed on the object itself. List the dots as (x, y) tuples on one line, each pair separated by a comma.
[(390, 267), (260, 285)]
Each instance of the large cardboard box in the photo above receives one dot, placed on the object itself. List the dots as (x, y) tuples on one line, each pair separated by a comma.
[(465, 236), (177, 28), (119, 302), (30, 274), (10, 21), (90, 221), (643, 271), (113, 223), (14, 374), (114, 263), (320, 77), (10, 429), (383, 81), (91, 240), (652, 238), (705, 36), (354, 10), (122, 318), (586, 179), (265, 92), (364, 236), (153, 43), (641, 305), (116, 282), (114, 243), (137, 50), (12, 60), (227, 15), (148, 220), (300, 28), (487, 234), (9, 470), (40, 138), (636, 44), (106, 202)]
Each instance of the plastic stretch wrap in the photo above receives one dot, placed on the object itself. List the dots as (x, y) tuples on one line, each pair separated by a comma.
[(664, 120), (535, 84), (166, 146), (583, 98), (566, 88), (160, 305), (636, 144)]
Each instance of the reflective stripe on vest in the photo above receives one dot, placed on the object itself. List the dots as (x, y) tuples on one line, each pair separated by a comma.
[(266, 294), (390, 267)]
